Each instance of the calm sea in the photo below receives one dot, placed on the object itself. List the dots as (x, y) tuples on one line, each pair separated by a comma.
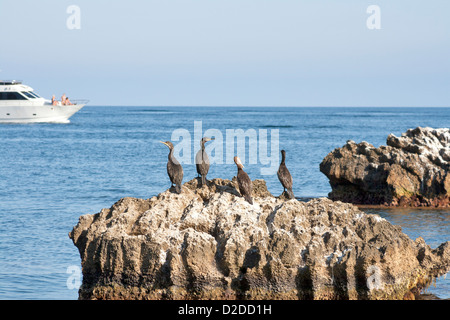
[(50, 174)]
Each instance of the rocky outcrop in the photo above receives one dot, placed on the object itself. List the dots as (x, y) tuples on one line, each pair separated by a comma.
[(209, 243), (412, 170)]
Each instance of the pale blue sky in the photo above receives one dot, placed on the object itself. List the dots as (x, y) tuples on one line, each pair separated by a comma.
[(231, 52)]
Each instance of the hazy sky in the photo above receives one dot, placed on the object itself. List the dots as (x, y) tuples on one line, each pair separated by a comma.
[(231, 52)]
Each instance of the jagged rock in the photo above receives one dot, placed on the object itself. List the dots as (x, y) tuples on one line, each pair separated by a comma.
[(209, 243), (412, 170)]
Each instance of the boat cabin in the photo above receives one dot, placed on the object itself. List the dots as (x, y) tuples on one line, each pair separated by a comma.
[(14, 90)]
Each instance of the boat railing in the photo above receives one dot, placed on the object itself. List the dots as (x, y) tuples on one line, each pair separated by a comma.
[(72, 102), (79, 101), (10, 82)]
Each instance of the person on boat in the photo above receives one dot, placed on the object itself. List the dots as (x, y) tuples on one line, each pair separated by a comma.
[(63, 99), (54, 101), (68, 103)]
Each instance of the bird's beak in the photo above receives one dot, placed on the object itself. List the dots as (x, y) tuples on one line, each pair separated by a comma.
[(239, 162), (209, 139), (163, 143)]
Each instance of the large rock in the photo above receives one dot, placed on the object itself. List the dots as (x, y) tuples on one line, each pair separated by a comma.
[(209, 243), (411, 170)]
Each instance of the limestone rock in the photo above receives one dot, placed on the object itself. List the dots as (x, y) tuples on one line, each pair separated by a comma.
[(209, 243), (412, 170)]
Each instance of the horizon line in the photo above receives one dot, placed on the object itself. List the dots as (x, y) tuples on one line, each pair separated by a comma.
[(261, 106)]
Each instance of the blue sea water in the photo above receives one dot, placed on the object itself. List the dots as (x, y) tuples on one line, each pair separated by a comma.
[(50, 174)]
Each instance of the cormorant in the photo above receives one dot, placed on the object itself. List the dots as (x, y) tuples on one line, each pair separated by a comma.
[(285, 176), (202, 160), (244, 182), (174, 168)]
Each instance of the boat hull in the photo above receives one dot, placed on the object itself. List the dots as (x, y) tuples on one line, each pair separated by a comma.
[(36, 114)]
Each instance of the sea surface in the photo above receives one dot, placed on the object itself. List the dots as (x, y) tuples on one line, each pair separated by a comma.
[(50, 174)]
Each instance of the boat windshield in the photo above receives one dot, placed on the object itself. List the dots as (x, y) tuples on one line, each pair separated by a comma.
[(34, 94), (28, 94)]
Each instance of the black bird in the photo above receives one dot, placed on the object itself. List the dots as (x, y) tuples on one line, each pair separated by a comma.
[(174, 168), (244, 182), (285, 176), (202, 160)]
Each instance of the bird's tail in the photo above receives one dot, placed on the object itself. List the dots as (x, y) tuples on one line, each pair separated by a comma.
[(248, 198), (290, 193), (203, 180), (178, 188)]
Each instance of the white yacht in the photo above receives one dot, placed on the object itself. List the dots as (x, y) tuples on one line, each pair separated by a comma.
[(19, 104)]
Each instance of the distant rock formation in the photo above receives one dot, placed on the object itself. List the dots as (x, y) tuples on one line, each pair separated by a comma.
[(412, 170), (209, 243)]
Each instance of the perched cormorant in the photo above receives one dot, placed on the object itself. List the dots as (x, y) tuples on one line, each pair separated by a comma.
[(202, 160), (244, 182), (285, 176), (174, 168)]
